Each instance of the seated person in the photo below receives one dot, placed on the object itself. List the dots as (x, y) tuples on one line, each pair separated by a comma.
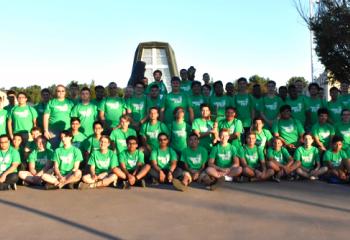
[(66, 165), (119, 135), (309, 157), (132, 164), (103, 165), (39, 162)]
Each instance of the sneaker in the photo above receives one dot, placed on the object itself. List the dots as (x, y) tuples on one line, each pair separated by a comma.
[(313, 178), (178, 185), (143, 183), (13, 186), (70, 185), (49, 186), (276, 179), (83, 186), (24, 183), (242, 179), (228, 179), (217, 183), (155, 182), (115, 183), (126, 185)]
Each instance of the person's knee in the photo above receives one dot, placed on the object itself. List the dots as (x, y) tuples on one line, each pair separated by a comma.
[(22, 174), (12, 178)]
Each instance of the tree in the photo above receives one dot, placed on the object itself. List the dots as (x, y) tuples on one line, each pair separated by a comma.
[(331, 27), (256, 79), (292, 80)]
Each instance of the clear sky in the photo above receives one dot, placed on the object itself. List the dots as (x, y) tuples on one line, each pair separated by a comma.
[(45, 42)]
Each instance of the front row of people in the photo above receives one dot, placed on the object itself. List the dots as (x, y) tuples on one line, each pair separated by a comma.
[(63, 166)]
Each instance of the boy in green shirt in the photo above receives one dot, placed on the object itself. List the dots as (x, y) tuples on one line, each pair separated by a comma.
[(309, 158), (179, 131), (313, 104), (322, 131), (280, 161), (66, 165), (343, 128), (334, 106), (103, 167), (234, 125), (263, 136), (136, 106), (194, 159), (218, 101), (223, 161), (337, 161), (164, 162), (92, 143), (253, 160), (297, 104), (120, 134), (196, 99), (39, 162), (132, 164), (270, 104), (9, 162), (3, 118)]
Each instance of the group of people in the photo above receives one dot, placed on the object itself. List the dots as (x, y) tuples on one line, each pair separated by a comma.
[(196, 132)]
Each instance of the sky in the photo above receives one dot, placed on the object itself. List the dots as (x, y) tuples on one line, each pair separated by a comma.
[(50, 42)]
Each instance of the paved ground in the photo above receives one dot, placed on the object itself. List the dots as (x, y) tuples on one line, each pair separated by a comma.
[(289, 210)]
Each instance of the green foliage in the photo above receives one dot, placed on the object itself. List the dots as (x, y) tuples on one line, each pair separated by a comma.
[(256, 79), (292, 80)]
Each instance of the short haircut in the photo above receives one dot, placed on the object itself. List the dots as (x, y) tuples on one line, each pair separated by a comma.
[(153, 108), (126, 117), (175, 79), (271, 82), (219, 82), (322, 111), (258, 118), (177, 109), (336, 139), (97, 123), (230, 108), (194, 83), (344, 110), (154, 86), (285, 107), (67, 133), (128, 139), (192, 134), (157, 71), (74, 119), (207, 86), (9, 92), (36, 129), (106, 137), (242, 79), (85, 89), (5, 136), (204, 105), (45, 90), (334, 89), (22, 93), (313, 85), (162, 134), (99, 87), (139, 83)]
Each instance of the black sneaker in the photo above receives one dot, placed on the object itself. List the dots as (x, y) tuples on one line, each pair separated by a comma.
[(126, 185), (155, 182), (276, 179), (13, 186), (49, 186), (143, 183), (217, 183), (178, 185)]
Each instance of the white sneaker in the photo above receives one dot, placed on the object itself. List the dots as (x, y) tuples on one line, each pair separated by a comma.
[(313, 178), (228, 179)]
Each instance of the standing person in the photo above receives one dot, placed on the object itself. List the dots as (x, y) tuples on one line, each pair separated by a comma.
[(252, 160), (66, 165), (206, 92), (74, 92), (78, 137), (103, 165), (85, 111), (196, 99), (309, 158), (323, 132), (119, 135), (176, 99), (157, 75), (289, 129), (234, 126), (280, 161), (45, 95), (337, 161), (230, 89), (145, 82), (185, 85), (314, 103), (191, 73), (112, 108), (342, 128), (334, 106), (194, 159), (39, 162), (179, 131), (100, 95), (256, 96), (9, 162), (218, 101), (283, 93), (22, 118), (136, 106), (270, 105), (344, 94), (164, 162), (243, 102), (205, 128), (11, 97), (132, 164), (57, 116), (297, 104), (153, 99), (206, 79), (223, 160), (3, 118)]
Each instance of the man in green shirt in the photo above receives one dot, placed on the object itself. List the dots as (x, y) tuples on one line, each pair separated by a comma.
[(119, 135), (196, 99), (218, 101), (100, 95), (3, 119), (185, 83), (39, 162), (234, 125), (164, 162), (313, 104), (270, 104), (322, 131), (194, 159), (297, 104), (343, 128), (9, 162), (86, 111), (11, 97), (308, 156), (103, 167), (334, 106), (66, 165), (223, 160), (92, 143), (78, 137), (45, 95), (132, 164), (263, 135), (179, 131), (157, 75), (153, 99), (136, 106)]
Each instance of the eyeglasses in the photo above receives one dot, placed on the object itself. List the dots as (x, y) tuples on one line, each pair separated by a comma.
[(4, 142)]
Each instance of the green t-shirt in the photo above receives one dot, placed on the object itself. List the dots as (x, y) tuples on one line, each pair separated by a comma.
[(298, 108), (253, 156), (178, 135), (87, 113), (263, 138), (118, 136), (103, 162), (195, 103), (59, 111), (158, 103), (218, 105), (334, 109), (40, 109), (323, 133), (307, 157), (137, 106), (195, 159), (131, 159), (244, 105), (22, 118), (335, 158), (343, 129), (203, 126), (172, 101), (3, 121), (345, 100), (7, 158), (270, 106), (282, 156), (66, 158), (185, 86), (163, 158), (290, 130), (97, 102), (40, 158), (150, 132), (162, 88), (223, 155), (313, 104), (234, 126), (113, 108), (90, 144)]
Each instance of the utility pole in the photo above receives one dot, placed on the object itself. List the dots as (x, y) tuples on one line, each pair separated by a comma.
[(311, 41)]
